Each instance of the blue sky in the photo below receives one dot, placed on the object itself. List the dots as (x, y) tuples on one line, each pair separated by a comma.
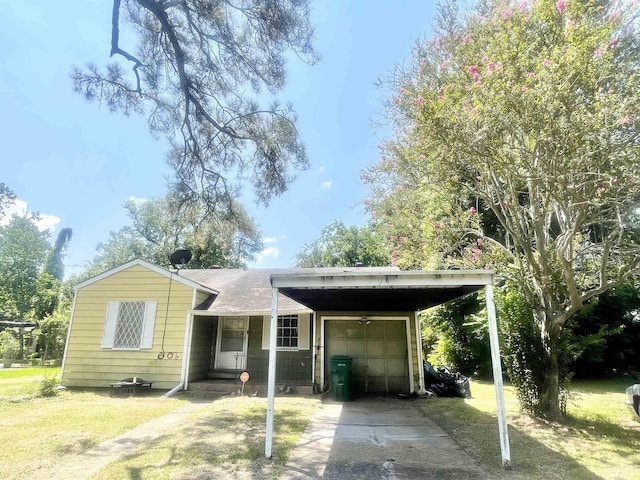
[(76, 163)]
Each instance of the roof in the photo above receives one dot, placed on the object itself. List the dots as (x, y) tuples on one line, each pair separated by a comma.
[(302, 290), (364, 289), (250, 291)]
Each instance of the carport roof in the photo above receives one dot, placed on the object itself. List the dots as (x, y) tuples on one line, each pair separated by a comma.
[(379, 290)]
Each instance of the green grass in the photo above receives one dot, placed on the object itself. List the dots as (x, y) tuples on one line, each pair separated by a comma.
[(20, 382), (225, 441), (42, 433), (598, 439)]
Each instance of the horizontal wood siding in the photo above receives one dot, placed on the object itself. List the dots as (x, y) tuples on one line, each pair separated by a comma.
[(292, 367), (89, 365)]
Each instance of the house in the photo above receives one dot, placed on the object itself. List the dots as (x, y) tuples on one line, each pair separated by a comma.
[(180, 327), (282, 326)]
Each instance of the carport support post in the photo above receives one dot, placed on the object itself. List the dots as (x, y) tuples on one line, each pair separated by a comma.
[(497, 378), (271, 382)]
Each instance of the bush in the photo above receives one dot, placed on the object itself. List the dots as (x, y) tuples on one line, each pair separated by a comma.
[(9, 346), (462, 336), (48, 387)]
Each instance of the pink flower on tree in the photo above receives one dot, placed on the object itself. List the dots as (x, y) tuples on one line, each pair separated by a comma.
[(420, 100), (546, 62), (474, 71), (472, 210), (561, 6), (626, 119), (437, 226)]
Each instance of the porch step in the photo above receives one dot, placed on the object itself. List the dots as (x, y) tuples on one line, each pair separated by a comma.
[(234, 386), (224, 375)]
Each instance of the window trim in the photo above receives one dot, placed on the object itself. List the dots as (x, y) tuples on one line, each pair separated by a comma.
[(304, 328), (111, 321)]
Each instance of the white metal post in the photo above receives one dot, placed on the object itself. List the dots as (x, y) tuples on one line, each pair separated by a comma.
[(271, 382), (497, 379)]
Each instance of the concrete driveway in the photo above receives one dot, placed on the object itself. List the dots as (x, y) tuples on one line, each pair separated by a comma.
[(380, 438)]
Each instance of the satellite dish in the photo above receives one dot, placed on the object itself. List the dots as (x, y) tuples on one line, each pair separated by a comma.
[(180, 258)]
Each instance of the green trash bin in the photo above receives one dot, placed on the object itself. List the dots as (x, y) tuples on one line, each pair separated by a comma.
[(340, 367)]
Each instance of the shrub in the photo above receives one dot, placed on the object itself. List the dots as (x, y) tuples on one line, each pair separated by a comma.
[(48, 387), (9, 346), (462, 343)]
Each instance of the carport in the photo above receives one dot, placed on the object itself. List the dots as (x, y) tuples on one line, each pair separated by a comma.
[(385, 290)]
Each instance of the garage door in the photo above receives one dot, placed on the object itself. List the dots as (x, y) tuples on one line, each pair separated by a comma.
[(379, 352)]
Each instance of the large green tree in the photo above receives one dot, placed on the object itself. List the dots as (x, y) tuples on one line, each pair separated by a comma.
[(205, 74), (23, 252), (342, 246), (162, 225), (525, 115)]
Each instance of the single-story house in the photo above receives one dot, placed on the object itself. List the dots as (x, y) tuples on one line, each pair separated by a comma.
[(183, 326), (175, 328)]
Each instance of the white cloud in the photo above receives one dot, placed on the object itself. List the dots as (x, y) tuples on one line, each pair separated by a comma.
[(21, 208), (321, 169), (269, 252), (326, 185), (269, 239), (137, 200)]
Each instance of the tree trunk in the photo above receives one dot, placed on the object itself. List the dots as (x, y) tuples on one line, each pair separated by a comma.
[(550, 385)]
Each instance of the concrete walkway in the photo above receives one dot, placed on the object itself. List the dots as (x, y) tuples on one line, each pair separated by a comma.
[(377, 439)]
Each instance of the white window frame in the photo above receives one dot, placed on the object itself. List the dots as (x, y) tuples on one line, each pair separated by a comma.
[(304, 322), (111, 321)]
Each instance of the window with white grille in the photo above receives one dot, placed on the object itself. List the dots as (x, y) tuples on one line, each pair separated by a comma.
[(287, 331), (129, 325)]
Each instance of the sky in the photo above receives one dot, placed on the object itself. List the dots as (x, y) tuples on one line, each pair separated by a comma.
[(76, 163)]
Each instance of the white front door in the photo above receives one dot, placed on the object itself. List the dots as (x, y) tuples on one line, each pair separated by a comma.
[(231, 345)]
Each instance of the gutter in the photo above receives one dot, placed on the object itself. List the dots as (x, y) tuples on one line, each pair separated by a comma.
[(186, 356)]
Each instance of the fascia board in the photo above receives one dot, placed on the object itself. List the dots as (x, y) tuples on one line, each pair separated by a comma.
[(150, 266)]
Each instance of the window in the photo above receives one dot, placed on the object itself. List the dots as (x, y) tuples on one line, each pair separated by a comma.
[(292, 331), (287, 331), (129, 325)]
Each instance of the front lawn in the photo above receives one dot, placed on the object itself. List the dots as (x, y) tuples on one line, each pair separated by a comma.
[(20, 382), (42, 434), (225, 441), (599, 439)]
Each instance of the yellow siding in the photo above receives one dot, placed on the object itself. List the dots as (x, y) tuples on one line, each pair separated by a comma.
[(89, 365)]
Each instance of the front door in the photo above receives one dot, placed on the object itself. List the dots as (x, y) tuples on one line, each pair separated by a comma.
[(231, 346)]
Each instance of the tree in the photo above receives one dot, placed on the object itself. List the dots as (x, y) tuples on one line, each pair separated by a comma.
[(526, 113), (7, 197), (162, 225), (23, 251), (53, 275), (342, 246), (192, 74)]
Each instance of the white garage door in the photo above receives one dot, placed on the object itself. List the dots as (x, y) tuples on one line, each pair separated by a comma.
[(379, 352)]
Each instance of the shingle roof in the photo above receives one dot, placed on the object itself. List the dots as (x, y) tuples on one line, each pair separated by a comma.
[(249, 291)]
